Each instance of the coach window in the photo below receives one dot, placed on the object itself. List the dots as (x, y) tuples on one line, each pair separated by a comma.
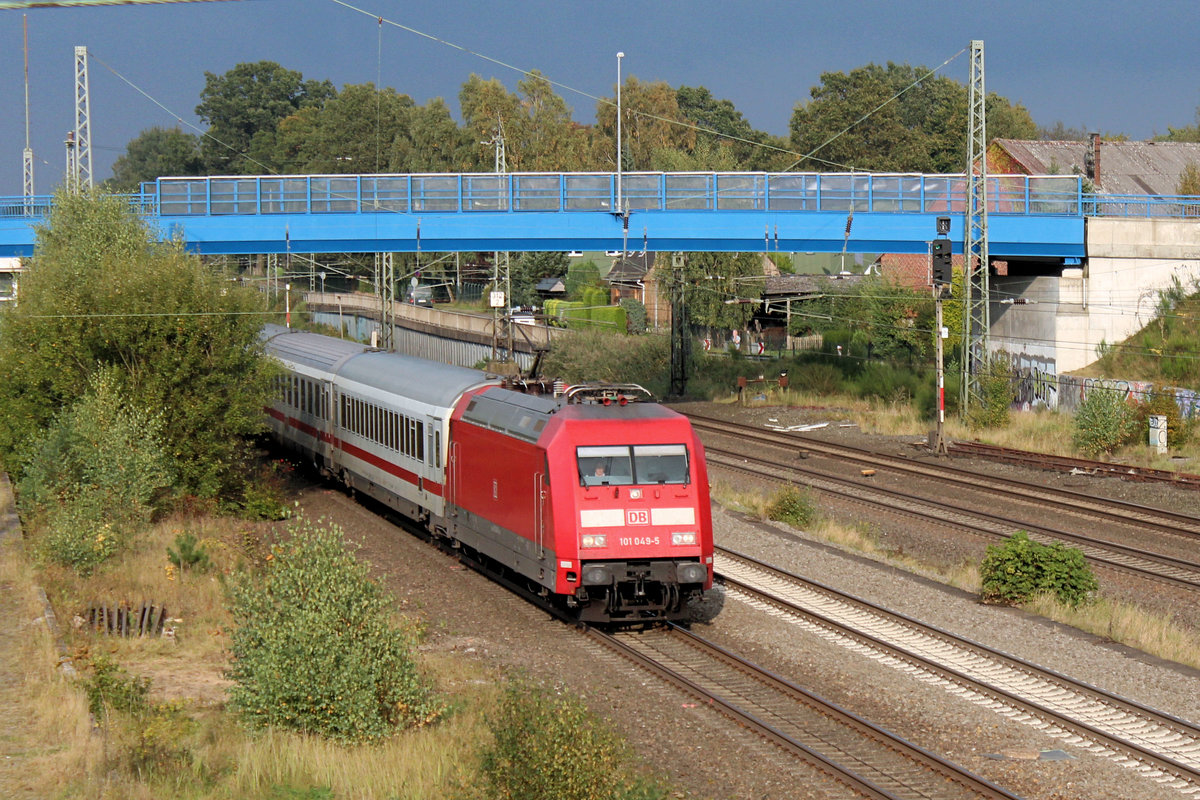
[(660, 463), (604, 466)]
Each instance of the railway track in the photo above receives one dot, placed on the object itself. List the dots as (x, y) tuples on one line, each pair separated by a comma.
[(1142, 562), (1160, 746), (866, 759), (1008, 489), (1067, 464)]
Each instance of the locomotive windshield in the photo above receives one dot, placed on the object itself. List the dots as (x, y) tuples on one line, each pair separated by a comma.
[(640, 464)]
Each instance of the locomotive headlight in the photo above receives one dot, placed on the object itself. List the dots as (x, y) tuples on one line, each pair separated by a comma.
[(594, 540), (683, 538)]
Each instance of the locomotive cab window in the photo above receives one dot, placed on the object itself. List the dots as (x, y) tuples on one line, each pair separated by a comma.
[(660, 463), (604, 466)]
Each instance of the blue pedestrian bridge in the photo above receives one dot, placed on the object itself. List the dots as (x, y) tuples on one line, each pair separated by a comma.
[(1029, 217)]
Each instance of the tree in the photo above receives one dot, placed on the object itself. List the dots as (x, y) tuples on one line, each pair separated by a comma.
[(727, 131), (488, 110), (154, 153), (650, 127), (355, 132), (1189, 181), (717, 294), (1059, 132), (535, 123), (580, 277), (433, 142), (103, 292), (552, 142), (243, 108), (896, 118), (94, 476), (528, 268)]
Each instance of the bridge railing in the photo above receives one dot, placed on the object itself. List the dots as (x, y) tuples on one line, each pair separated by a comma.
[(1141, 206), (639, 191)]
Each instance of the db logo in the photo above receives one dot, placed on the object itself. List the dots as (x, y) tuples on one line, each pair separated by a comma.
[(637, 516)]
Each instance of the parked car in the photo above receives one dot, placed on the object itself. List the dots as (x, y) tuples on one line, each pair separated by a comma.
[(420, 296)]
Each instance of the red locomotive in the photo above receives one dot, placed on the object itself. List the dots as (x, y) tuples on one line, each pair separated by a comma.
[(596, 499)]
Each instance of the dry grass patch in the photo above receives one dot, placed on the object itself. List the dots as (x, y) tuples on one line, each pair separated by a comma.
[(45, 731), (1127, 624), (215, 756)]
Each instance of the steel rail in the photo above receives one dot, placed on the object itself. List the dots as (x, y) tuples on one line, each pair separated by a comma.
[(1163, 520), (794, 710), (1157, 567), (1183, 735)]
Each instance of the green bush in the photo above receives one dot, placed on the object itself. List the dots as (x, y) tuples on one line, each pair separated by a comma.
[(886, 382), (635, 315), (314, 648), (187, 554), (110, 687), (546, 745), (595, 355), (817, 377), (148, 737), (793, 506), (94, 477), (1103, 422), (1021, 568), (998, 391), (1161, 402)]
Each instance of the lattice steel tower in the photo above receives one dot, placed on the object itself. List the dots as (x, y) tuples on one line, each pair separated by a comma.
[(81, 168), (27, 153), (385, 278), (976, 313)]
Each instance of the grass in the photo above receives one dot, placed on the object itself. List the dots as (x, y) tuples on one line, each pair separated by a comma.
[(221, 759), (47, 731)]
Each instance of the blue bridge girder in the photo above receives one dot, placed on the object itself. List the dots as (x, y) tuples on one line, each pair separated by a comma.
[(1028, 216)]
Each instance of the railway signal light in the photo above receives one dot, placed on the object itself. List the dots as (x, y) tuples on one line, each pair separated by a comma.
[(942, 270)]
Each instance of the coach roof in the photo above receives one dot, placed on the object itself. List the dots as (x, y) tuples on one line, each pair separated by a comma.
[(407, 376)]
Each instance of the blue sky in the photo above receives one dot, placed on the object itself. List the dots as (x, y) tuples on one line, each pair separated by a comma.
[(1116, 67)]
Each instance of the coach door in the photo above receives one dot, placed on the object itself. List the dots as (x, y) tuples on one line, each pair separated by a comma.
[(324, 424), (336, 424)]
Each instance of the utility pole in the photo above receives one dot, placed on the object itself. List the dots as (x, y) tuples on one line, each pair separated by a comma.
[(977, 299), (83, 123), (501, 167), (27, 153), (681, 339), (384, 275)]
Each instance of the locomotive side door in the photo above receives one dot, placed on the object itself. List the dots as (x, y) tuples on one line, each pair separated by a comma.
[(540, 495), (452, 479)]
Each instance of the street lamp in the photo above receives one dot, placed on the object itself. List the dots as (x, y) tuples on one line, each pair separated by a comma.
[(619, 205)]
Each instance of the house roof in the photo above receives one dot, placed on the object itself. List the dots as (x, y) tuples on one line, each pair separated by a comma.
[(799, 285), (551, 286), (1150, 168), (630, 268)]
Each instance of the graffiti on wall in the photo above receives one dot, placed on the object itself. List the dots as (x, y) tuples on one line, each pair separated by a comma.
[(1039, 386)]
